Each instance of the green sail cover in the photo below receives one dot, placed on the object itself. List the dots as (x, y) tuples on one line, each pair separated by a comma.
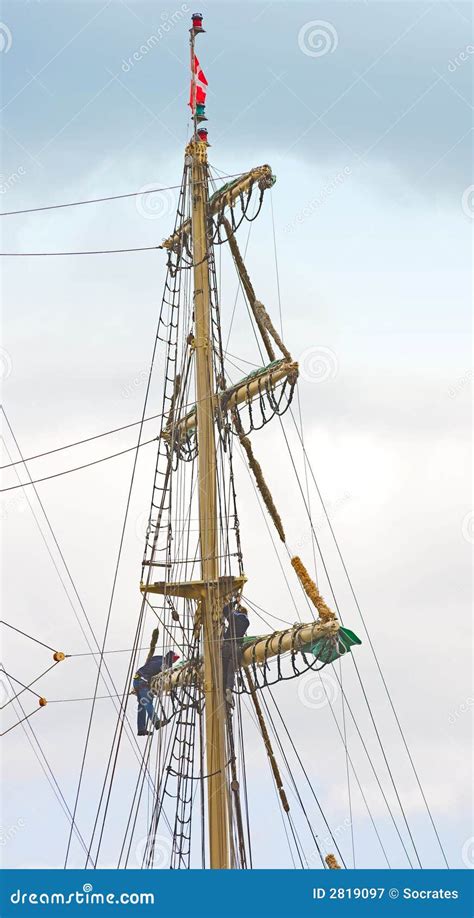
[(329, 649), (326, 649)]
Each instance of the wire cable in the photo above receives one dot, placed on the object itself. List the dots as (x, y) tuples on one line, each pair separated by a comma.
[(106, 433), (371, 645), (348, 775), (7, 625), (142, 248), (58, 449), (113, 197), (95, 653), (110, 605), (78, 468), (91, 698), (392, 779), (129, 732), (26, 688), (116, 742), (47, 770), (27, 717)]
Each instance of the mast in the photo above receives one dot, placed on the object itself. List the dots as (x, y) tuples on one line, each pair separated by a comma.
[(218, 812), (320, 638)]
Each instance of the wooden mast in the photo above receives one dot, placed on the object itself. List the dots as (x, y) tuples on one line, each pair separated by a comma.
[(218, 812), (213, 590)]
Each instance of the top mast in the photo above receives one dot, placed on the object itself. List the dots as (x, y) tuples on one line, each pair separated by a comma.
[(218, 810)]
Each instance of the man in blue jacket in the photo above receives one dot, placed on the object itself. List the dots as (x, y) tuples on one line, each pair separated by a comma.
[(141, 687), (237, 624)]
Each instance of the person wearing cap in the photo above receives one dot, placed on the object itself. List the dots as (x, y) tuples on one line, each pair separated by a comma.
[(141, 687), (237, 624)]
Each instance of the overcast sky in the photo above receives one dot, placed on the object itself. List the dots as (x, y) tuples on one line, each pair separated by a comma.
[(363, 110)]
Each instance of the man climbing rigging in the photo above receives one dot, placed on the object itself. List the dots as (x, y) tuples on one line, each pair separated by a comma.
[(141, 687), (237, 624)]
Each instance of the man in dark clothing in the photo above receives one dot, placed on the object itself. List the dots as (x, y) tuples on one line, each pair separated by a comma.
[(141, 686), (237, 624)]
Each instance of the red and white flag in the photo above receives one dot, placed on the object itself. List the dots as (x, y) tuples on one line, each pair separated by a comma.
[(197, 85)]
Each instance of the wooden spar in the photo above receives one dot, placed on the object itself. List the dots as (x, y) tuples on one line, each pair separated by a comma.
[(235, 395), (225, 197), (197, 589), (263, 648), (248, 389), (218, 809)]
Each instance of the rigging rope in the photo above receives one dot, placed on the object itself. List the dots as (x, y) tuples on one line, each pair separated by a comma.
[(143, 248), (92, 653), (10, 677), (26, 687), (313, 587), (348, 777), (297, 476), (309, 782), (379, 783), (114, 197), (277, 273), (78, 468), (260, 480), (377, 662), (314, 593), (58, 449), (47, 770), (7, 625), (292, 779), (27, 717), (111, 600), (130, 734), (171, 326), (352, 657), (361, 789)]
